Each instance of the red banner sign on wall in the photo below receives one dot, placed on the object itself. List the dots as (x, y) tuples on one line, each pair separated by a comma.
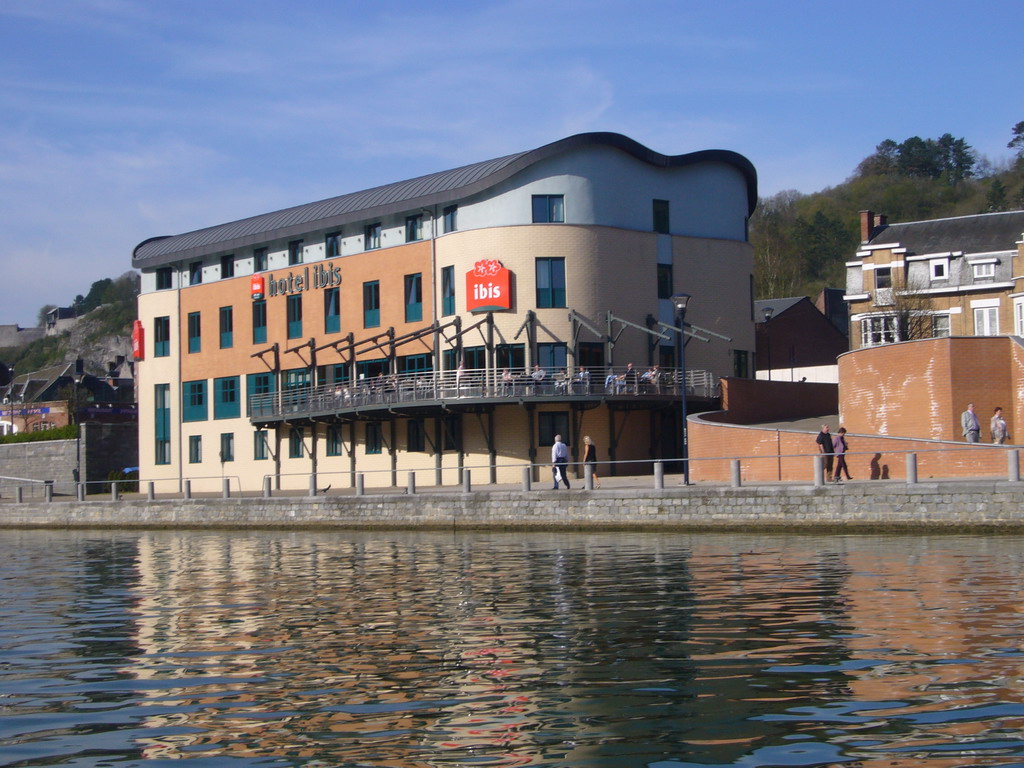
[(138, 340), (488, 287), (257, 287)]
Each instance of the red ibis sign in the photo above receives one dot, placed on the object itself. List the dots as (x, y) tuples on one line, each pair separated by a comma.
[(488, 287)]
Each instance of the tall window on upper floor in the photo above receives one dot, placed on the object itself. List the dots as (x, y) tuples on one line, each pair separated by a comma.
[(371, 304), (162, 416), (294, 309), (227, 266), (227, 327), (665, 281), (371, 236), (550, 283), (332, 310), (548, 209), (552, 356), (259, 259), (162, 337), (259, 321), (660, 212), (414, 228), (451, 218), (195, 333), (294, 252), (164, 278), (195, 273), (447, 291), (332, 245), (413, 298)]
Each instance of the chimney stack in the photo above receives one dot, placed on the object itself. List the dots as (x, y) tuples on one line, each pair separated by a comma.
[(867, 225)]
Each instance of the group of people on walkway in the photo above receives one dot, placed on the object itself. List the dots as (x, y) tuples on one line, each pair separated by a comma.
[(833, 448), (560, 461), (971, 426)]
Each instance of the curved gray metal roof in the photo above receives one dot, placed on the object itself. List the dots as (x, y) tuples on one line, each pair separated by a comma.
[(407, 195)]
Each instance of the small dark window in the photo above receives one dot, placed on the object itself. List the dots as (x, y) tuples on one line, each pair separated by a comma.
[(164, 278), (661, 222), (227, 266), (451, 220)]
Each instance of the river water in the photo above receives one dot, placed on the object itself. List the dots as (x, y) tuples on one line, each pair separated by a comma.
[(426, 649)]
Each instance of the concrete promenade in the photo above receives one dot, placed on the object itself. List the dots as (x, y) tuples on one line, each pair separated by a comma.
[(623, 503)]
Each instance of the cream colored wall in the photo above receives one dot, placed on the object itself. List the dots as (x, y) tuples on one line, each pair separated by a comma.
[(158, 370)]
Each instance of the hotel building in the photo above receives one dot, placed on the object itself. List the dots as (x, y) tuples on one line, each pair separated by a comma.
[(452, 321)]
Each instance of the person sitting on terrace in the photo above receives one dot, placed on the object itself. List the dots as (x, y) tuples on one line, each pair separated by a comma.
[(583, 381), (562, 381), (538, 377)]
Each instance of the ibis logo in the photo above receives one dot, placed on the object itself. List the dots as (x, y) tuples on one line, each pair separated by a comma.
[(488, 287)]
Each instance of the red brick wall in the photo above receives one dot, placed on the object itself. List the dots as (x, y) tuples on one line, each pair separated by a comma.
[(749, 401)]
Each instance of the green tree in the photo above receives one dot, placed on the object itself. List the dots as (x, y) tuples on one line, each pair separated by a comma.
[(995, 198), (1017, 142)]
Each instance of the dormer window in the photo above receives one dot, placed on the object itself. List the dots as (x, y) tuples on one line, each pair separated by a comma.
[(939, 269), (984, 270)]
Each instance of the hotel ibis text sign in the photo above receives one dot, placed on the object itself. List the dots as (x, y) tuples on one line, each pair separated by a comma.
[(488, 287), (306, 279)]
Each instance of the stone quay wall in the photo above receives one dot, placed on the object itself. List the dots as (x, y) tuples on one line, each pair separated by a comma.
[(924, 507)]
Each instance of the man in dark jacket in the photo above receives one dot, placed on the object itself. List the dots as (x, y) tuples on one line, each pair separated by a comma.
[(827, 450)]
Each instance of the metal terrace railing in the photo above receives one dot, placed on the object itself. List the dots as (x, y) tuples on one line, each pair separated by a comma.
[(486, 385)]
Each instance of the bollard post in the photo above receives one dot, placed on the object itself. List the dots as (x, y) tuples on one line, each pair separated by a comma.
[(659, 475), (114, 492), (527, 477), (312, 485), (410, 487), (225, 492), (151, 491), (266, 487), (467, 485), (819, 471), (1013, 465), (737, 478), (588, 477), (19, 494), (187, 489), (911, 468), (80, 491), (360, 485), (48, 492)]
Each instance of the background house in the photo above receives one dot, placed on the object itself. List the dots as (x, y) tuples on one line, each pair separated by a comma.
[(796, 341)]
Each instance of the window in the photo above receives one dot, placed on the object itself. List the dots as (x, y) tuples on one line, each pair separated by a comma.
[(371, 304), (413, 228), (195, 337), (162, 414), (550, 283), (986, 321), (447, 291), (295, 446), (551, 423), (452, 426), (511, 356), (474, 358), (451, 221), (195, 273), (227, 446), (259, 321), (162, 337), (883, 278), (413, 298), (665, 281), (939, 269), (374, 442), (226, 399), (371, 236), (984, 271), (661, 221), (940, 326), (334, 441), (551, 356), (415, 441), (296, 378), (415, 364), (260, 449), (548, 209), (332, 310), (195, 449), (257, 384), (877, 330), (741, 363), (590, 354), (227, 266), (295, 316), (164, 278), (1018, 317), (227, 327), (259, 259), (294, 253), (371, 369), (332, 245), (194, 400)]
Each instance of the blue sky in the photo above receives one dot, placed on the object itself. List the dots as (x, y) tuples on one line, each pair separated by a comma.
[(123, 119)]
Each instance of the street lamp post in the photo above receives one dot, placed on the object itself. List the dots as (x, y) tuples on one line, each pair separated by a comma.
[(77, 378), (679, 301), (768, 312)]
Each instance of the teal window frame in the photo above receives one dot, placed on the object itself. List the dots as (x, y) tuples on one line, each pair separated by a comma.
[(193, 400), (332, 310), (162, 336), (260, 448), (415, 436), (259, 321), (374, 438), (371, 304), (162, 423), (227, 447), (195, 332), (296, 443), (447, 291), (334, 441), (227, 400), (550, 283), (414, 298), (227, 327), (294, 309), (195, 449)]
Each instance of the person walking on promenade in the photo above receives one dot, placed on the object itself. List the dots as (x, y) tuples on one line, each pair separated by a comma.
[(590, 459), (998, 427), (826, 448), (840, 447), (970, 425), (560, 462)]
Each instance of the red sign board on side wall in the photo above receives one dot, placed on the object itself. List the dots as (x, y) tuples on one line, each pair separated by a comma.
[(257, 287), (138, 340), (488, 287)]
